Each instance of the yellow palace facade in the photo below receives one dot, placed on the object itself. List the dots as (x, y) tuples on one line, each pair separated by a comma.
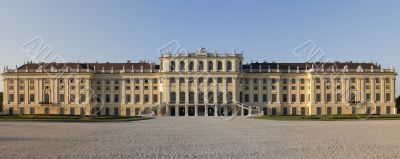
[(199, 84)]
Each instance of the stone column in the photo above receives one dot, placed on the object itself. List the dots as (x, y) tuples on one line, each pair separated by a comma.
[(56, 91), (186, 95), (26, 93), (40, 90), (383, 93), (196, 94), (215, 90), (88, 96), (177, 95), (206, 102), (392, 89), (234, 94), (103, 96), (6, 91), (66, 88)]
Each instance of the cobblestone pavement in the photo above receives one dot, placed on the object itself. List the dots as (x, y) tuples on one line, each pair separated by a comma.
[(201, 137)]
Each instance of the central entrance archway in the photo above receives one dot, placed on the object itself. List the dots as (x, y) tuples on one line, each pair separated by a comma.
[(191, 111), (201, 110), (181, 111), (210, 110)]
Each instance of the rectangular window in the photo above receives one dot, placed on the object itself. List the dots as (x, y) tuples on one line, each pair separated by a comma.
[(246, 98), (338, 97), (128, 98), (339, 110), (31, 98), (318, 98), (294, 111), (284, 98), (255, 98), (21, 98), (107, 98), (387, 97), (116, 98), (72, 98), (328, 97), (62, 98), (378, 97), (273, 97), (146, 98), (293, 98), (137, 98), (302, 98), (265, 98), (273, 80), (83, 98), (319, 111), (329, 110), (155, 98)]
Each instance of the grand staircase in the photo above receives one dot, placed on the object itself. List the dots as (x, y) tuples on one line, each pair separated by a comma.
[(253, 110)]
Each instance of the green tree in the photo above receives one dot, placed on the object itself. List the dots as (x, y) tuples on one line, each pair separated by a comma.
[(398, 104)]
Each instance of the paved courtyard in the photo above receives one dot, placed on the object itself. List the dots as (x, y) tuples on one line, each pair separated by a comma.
[(200, 137)]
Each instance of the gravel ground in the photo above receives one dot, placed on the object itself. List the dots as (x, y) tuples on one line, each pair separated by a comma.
[(201, 137)]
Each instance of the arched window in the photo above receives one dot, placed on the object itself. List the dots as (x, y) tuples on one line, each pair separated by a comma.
[(182, 66), (182, 97), (220, 97), (191, 66), (229, 65), (229, 97), (210, 65), (200, 79), (210, 97), (219, 66), (191, 97), (201, 66), (210, 81), (201, 97), (172, 66), (240, 66), (172, 97), (181, 80)]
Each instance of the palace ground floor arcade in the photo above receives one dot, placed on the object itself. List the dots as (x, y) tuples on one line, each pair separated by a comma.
[(197, 110)]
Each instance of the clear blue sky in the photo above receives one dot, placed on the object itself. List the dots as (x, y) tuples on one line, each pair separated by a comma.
[(116, 30)]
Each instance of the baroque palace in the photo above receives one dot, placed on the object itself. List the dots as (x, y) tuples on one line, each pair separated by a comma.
[(199, 84)]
